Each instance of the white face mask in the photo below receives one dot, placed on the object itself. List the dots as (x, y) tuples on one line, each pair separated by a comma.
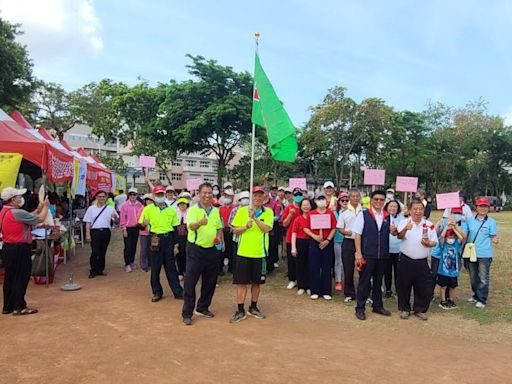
[(390, 196), (215, 192), (321, 203), (244, 201), (22, 201), (450, 241), (226, 201)]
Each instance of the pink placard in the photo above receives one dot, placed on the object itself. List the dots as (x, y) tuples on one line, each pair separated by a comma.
[(193, 184), (406, 184), (320, 221), (147, 161), (297, 182), (374, 176), (448, 200)]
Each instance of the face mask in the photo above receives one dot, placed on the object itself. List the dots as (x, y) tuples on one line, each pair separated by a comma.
[(22, 201), (159, 200), (227, 201), (244, 201), (298, 199), (390, 196), (450, 241), (321, 203), (215, 192)]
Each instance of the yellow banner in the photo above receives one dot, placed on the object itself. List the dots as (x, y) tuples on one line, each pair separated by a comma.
[(9, 168)]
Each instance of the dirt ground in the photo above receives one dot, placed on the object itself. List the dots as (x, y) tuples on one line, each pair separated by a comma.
[(111, 332)]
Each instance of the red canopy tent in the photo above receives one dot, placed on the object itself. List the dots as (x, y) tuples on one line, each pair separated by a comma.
[(98, 176), (56, 163)]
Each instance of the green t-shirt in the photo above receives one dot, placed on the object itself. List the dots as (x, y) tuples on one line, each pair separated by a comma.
[(205, 234), (160, 220), (253, 242)]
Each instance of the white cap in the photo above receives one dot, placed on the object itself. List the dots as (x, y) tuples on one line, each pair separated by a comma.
[(229, 192), (148, 196), (281, 189), (328, 184), (133, 190), (288, 189), (8, 193), (227, 185), (243, 195), (169, 188), (185, 194)]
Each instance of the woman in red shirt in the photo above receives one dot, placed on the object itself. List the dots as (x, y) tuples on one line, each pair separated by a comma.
[(300, 244)]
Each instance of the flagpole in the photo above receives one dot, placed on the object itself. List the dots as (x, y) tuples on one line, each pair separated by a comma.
[(253, 139)]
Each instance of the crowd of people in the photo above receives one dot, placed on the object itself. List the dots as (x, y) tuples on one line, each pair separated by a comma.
[(327, 238)]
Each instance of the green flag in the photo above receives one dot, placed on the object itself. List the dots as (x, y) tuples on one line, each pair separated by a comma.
[(268, 112)]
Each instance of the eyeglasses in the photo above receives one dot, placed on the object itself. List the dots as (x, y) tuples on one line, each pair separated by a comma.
[(132, 194), (378, 199), (344, 200)]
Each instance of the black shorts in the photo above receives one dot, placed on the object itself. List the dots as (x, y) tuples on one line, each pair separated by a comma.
[(249, 270), (446, 281)]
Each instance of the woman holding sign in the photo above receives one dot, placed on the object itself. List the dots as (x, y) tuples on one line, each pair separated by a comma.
[(320, 226)]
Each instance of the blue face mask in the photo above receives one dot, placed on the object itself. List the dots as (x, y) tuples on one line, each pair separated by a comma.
[(159, 200), (298, 199)]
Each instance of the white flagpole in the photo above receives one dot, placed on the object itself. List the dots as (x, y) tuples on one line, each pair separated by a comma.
[(253, 139)]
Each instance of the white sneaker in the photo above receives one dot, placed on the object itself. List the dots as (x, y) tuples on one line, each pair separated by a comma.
[(479, 305), (369, 301), (327, 297), (313, 297), (347, 299), (308, 291), (276, 265), (300, 292), (127, 269), (471, 300), (291, 285)]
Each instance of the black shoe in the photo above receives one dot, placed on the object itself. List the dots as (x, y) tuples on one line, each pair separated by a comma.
[(179, 297), (382, 311), (187, 321), (156, 298), (92, 275), (360, 315), (206, 313), (388, 295), (6, 311)]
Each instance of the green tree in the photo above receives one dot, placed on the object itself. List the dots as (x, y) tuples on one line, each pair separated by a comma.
[(16, 80)]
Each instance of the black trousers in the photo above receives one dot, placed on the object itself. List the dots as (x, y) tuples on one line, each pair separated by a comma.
[(292, 263), (390, 271), (201, 263), (347, 255), (181, 256), (100, 238), (165, 257), (18, 268), (273, 248), (130, 245), (373, 269), (302, 261), (413, 274), (228, 253)]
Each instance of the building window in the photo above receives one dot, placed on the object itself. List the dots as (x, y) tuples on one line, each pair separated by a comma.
[(176, 176), (204, 164), (191, 163), (176, 163), (209, 179), (163, 177), (215, 166)]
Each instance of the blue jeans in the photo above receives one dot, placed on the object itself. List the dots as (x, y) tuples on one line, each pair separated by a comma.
[(479, 274)]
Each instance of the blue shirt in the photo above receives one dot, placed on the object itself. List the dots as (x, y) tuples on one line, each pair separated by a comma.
[(338, 237), (449, 262), (394, 241), (483, 230), (436, 251)]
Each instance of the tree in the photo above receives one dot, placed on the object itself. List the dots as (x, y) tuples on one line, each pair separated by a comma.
[(211, 113), (16, 80), (114, 163)]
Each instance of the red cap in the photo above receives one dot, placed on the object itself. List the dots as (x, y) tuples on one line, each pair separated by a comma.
[(257, 188), (483, 201), (342, 194), (158, 189), (457, 210), (450, 232)]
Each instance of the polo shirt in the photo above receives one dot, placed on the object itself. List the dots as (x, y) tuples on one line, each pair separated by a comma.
[(103, 220), (288, 211), (486, 230), (347, 218), (253, 242), (298, 226), (411, 244), (225, 213), (325, 231), (17, 225), (358, 225), (161, 220), (205, 235)]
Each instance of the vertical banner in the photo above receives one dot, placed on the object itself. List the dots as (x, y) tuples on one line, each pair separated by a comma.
[(115, 187), (9, 168), (82, 175)]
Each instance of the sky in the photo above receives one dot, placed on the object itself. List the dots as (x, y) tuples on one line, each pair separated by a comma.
[(405, 52)]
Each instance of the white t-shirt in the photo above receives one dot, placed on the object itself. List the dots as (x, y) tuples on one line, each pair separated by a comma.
[(358, 224), (411, 244), (346, 221), (103, 220)]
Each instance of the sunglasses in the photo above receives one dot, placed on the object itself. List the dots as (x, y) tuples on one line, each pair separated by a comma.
[(344, 200), (378, 199), (132, 194)]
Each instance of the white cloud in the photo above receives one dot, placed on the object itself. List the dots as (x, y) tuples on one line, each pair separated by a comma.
[(55, 28)]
